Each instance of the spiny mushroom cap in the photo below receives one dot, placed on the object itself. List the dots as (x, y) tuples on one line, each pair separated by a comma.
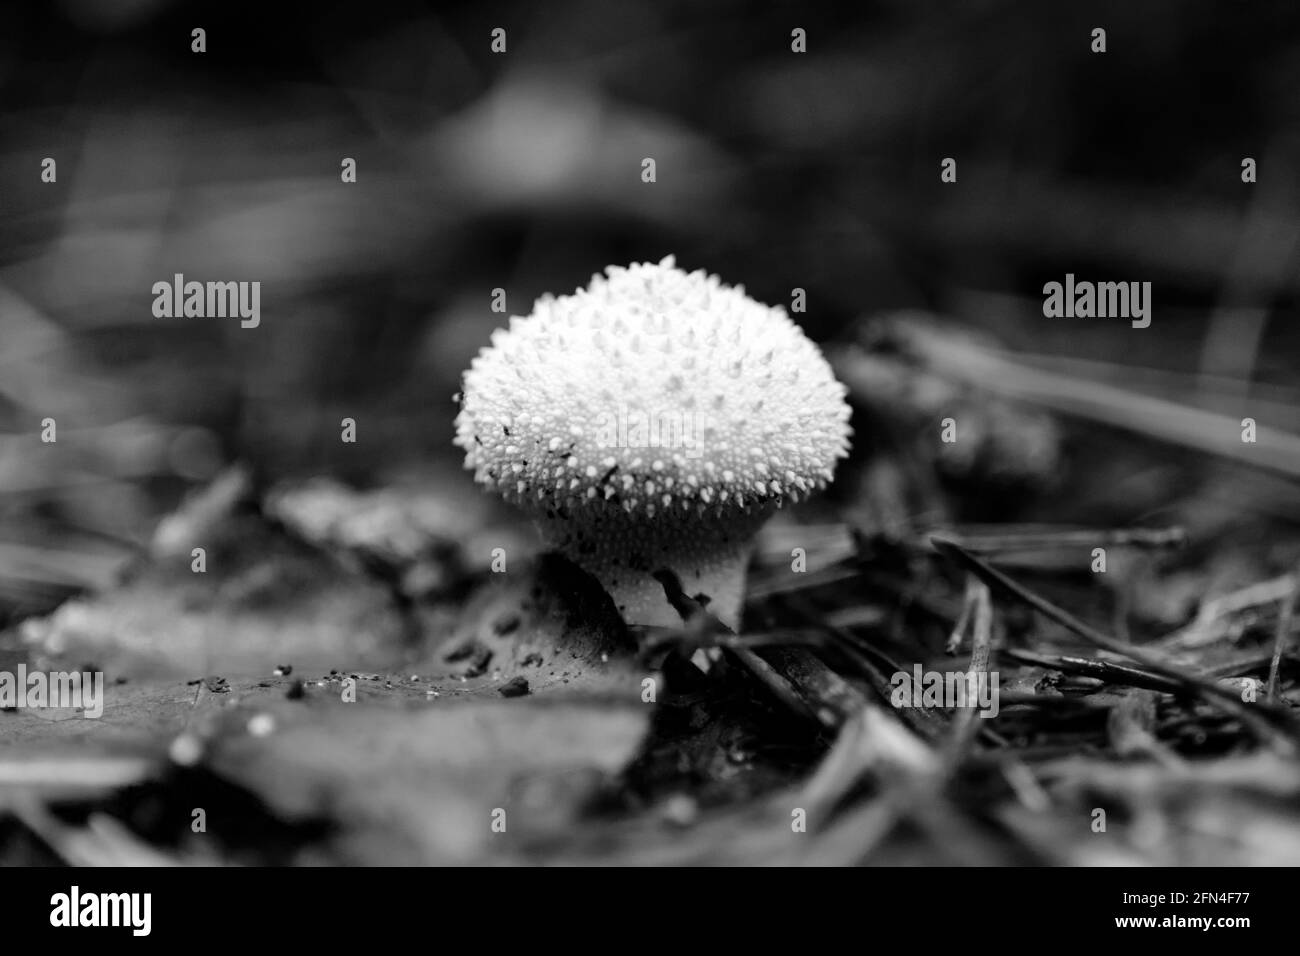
[(652, 390)]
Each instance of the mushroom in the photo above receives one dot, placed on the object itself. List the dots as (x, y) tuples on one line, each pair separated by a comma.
[(653, 421)]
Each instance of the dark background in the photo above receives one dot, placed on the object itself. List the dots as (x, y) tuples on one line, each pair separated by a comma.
[(522, 171)]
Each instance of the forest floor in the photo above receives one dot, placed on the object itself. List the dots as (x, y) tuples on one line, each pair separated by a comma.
[(346, 679)]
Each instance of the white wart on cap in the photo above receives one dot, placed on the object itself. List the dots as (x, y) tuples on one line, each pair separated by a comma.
[(653, 420)]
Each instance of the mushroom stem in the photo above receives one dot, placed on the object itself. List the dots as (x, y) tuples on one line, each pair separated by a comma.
[(641, 599), (708, 553)]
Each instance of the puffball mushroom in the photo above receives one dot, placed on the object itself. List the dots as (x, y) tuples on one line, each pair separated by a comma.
[(653, 420)]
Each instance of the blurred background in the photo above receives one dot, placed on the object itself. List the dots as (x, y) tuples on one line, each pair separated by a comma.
[(522, 171)]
